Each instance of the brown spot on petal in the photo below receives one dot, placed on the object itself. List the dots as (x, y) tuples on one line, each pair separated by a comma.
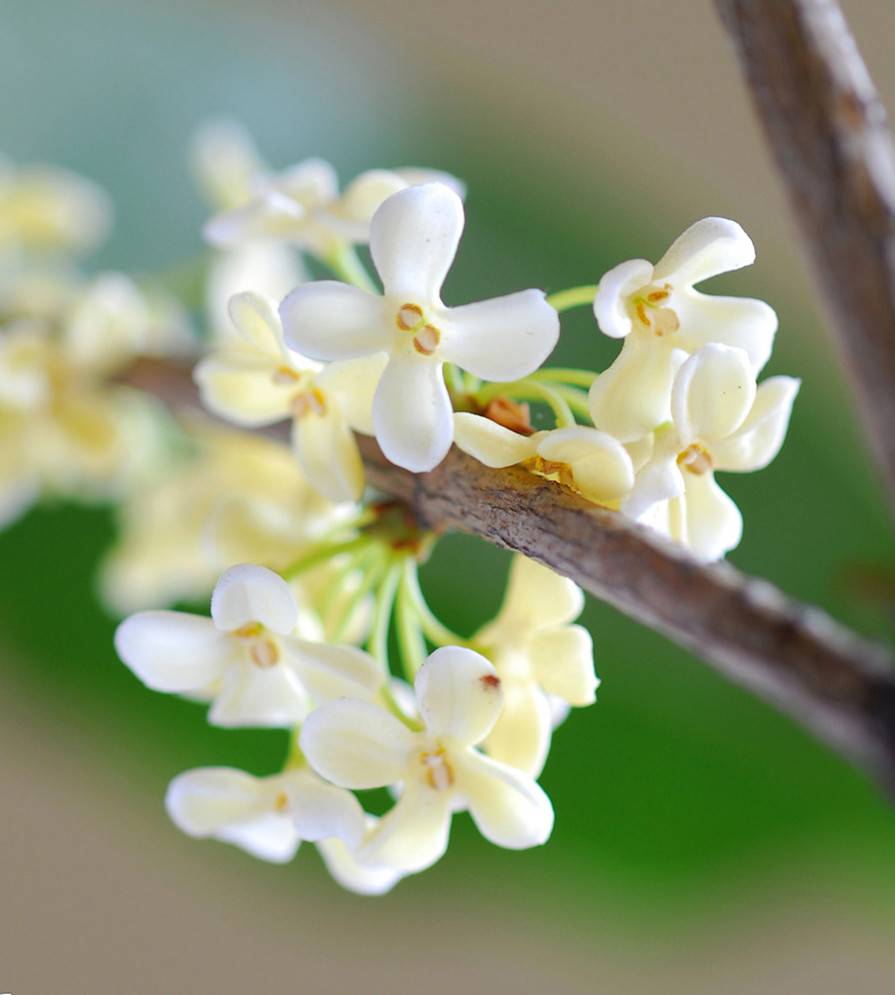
[(491, 682)]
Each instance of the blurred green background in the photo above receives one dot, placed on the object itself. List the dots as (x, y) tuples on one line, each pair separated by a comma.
[(703, 843)]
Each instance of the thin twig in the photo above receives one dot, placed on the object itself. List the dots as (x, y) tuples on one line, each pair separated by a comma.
[(827, 128), (834, 682)]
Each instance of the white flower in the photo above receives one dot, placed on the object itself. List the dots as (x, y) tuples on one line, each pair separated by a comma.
[(356, 744), (721, 421), (245, 658), (270, 816), (590, 462), (657, 311), (539, 658), (259, 381), (413, 240), (302, 206)]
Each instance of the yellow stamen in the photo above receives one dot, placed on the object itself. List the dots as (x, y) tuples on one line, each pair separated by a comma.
[(695, 459), (409, 317), (426, 340), (439, 774), (309, 402)]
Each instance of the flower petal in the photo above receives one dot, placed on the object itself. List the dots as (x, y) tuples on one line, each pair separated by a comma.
[(350, 873), (563, 663), (320, 810), (712, 394), (255, 318), (714, 523), (741, 322), (490, 443), (251, 696), (412, 413), (707, 248), (631, 398), (173, 651), (357, 745), (328, 320), (414, 834), (240, 387), (660, 480), (611, 300), (331, 671), (413, 241), (249, 593), (310, 182), (271, 215), (536, 598), (601, 467), (504, 338), (353, 382), (459, 694), (508, 807), (758, 440), (328, 453), (521, 736)]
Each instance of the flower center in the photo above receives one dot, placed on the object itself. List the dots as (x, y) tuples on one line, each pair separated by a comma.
[(551, 469), (281, 803), (438, 772), (283, 376), (411, 318), (695, 459), (652, 314), (262, 649), (309, 402)]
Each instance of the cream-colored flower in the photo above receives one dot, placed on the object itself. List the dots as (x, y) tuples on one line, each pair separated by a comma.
[(269, 817), (663, 319), (358, 745), (245, 659), (259, 381), (45, 207), (590, 462), (720, 421), (413, 240), (540, 657)]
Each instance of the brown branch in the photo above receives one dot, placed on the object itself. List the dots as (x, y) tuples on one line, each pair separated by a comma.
[(827, 128), (835, 683)]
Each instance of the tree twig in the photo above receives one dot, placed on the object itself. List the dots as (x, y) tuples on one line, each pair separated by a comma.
[(834, 682), (827, 128)]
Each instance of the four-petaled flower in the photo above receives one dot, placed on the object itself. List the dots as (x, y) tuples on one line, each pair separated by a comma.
[(245, 658), (720, 421), (659, 315), (357, 744), (413, 240)]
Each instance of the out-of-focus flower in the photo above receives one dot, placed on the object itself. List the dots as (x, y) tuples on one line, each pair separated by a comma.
[(662, 319), (720, 421), (413, 239), (589, 461), (258, 381), (358, 745), (45, 207), (245, 658), (269, 817), (539, 657)]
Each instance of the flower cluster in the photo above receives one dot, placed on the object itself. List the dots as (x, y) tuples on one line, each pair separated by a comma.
[(318, 623)]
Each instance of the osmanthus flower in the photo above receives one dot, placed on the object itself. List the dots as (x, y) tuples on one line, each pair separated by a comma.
[(720, 421), (656, 310), (302, 206), (245, 659), (269, 817), (437, 770), (49, 208), (257, 381), (413, 240), (544, 662), (588, 461)]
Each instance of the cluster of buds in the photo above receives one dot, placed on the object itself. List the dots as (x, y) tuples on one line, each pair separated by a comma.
[(318, 622)]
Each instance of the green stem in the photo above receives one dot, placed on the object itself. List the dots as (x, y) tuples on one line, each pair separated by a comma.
[(377, 644), (321, 552), (530, 390), (295, 759), (574, 297), (576, 400), (410, 633), (347, 267), (372, 575), (580, 378), (392, 705), (437, 633)]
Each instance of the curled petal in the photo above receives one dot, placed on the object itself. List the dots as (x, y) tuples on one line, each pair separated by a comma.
[(350, 873), (413, 240), (758, 440), (459, 694), (601, 467), (412, 413), (328, 453), (173, 651), (248, 593), (563, 663), (490, 443), (712, 394), (328, 320), (265, 698), (660, 480), (357, 745), (508, 807), (502, 339), (255, 318), (521, 736), (240, 387), (611, 300), (707, 248), (414, 834), (740, 322), (714, 524)]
